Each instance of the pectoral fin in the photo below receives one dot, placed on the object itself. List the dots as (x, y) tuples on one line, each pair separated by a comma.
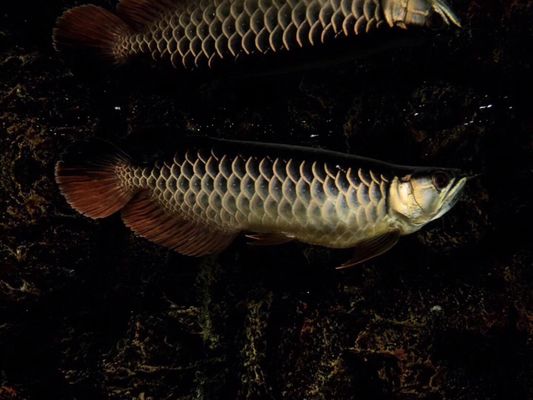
[(371, 248)]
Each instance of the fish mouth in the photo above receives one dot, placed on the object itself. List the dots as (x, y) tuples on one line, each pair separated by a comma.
[(446, 13), (451, 196)]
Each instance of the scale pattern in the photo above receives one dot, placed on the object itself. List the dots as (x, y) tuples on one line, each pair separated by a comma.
[(312, 201), (192, 34)]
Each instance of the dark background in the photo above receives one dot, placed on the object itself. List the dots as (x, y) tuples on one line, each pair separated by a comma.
[(89, 311)]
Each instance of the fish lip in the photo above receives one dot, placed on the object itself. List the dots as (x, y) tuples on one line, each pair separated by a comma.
[(452, 196), (457, 187), (446, 13)]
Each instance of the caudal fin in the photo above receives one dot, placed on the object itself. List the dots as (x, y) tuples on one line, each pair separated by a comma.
[(91, 182), (92, 29)]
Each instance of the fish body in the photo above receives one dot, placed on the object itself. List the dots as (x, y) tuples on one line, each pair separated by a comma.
[(194, 34), (198, 201)]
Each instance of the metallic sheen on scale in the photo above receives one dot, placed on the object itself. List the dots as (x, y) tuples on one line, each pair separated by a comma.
[(192, 34), (198, 201)]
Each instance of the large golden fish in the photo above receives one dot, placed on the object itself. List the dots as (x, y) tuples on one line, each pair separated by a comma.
[(192, 34), (198, 201)]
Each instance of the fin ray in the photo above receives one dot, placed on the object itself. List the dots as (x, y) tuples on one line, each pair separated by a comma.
[(267, 239), (139, 13), (147, 218), (93, 29), (371, 248), (89, 181)]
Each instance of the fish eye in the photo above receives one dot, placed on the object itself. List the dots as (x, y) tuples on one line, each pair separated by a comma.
[(440, 180)]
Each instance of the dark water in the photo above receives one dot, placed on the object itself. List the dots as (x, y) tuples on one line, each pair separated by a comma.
[(89, 311)]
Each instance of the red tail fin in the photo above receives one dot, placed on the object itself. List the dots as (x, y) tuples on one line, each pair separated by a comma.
[(93, 29), (91, 183)]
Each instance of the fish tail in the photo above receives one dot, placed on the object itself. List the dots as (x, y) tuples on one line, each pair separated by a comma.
[(95, 30), (93, 179)]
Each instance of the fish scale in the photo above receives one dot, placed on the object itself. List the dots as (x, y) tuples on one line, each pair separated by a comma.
[(194, 34), (314, 201), (214, 30), (199, 200)]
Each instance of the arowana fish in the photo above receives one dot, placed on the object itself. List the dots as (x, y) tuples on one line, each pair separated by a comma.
[(192, 34), (198, 201)]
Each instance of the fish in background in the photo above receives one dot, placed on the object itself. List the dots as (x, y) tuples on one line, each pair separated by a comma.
[(197, 34), (199, 200)]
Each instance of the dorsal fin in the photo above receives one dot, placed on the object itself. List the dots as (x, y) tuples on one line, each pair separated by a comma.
[(139, 13), (147, 218)]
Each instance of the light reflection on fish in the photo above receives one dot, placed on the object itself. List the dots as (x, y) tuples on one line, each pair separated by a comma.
[(192, 34), (198, 201)]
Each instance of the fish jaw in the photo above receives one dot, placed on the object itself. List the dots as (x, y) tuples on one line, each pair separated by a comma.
[(444, 10), (452, 197)]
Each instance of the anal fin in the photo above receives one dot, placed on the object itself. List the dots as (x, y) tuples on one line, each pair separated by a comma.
[(371, 248), (147, 218)]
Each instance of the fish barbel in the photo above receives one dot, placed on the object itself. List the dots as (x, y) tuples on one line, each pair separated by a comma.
[(210, 191), (192, 34)]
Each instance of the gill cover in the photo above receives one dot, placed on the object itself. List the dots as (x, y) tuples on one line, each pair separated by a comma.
[(417, 12)]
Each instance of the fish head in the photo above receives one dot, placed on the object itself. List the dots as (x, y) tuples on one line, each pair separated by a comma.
[(402, 13), (424, 196)]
